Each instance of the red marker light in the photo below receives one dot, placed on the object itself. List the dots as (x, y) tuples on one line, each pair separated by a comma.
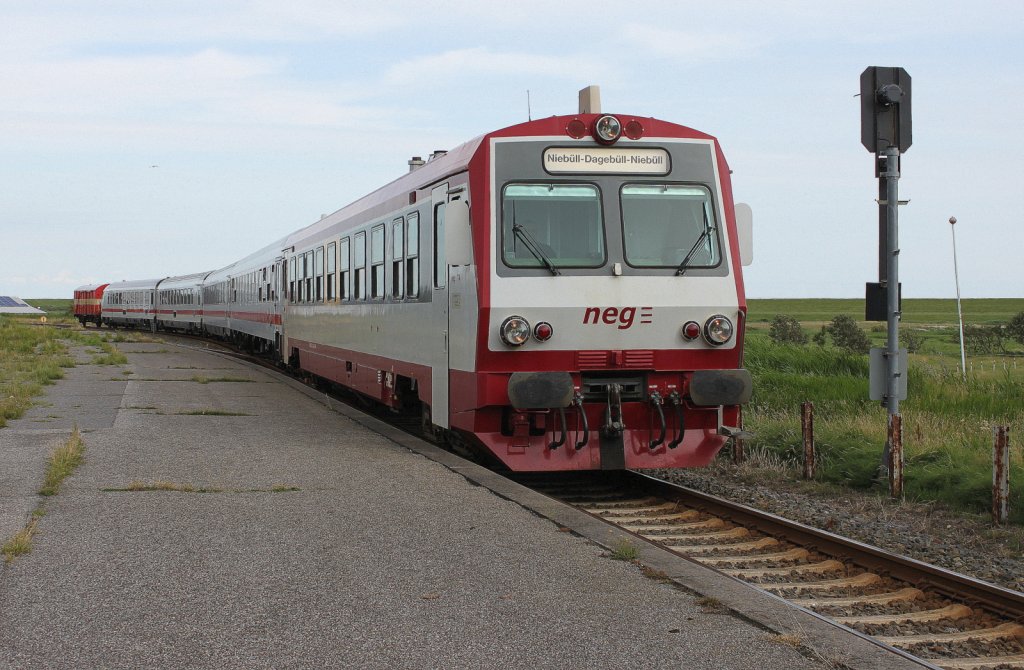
[(543, 331), (576, 128), (691, 330), (634, 130)]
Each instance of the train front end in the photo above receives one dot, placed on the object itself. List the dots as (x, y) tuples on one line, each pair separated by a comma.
[(611, 301)]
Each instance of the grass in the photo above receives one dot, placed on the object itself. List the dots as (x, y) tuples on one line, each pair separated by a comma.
[(21, 543), (199, 379), (31, 357), (177, 487), (979, 311), (624, 550), (947, 421), (62, 462)]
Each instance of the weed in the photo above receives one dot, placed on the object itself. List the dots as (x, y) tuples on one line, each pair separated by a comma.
[(710, 603), (62, 462), (656, 575), (199, 379), (788, 639), (21, 543), (624, 550)]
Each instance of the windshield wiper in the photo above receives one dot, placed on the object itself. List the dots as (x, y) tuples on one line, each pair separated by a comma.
[(531, 244), (708, 229)]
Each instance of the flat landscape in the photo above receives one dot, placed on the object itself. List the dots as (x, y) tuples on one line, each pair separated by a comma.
[(948, 419)]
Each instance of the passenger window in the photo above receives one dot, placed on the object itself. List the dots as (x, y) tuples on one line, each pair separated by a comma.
[(332, 254), (345, 268), (291, 279), (359, 263), (440, 265), (412, 260), (377, 261), (397, 258), (309, 276), (319, 274)]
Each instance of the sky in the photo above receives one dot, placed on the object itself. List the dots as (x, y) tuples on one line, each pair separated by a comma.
[(146, 139)]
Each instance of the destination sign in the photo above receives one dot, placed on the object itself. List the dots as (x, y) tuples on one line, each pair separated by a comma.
[(616, 160)]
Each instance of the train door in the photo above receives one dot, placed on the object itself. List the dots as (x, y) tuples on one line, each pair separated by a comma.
[(440, 309)]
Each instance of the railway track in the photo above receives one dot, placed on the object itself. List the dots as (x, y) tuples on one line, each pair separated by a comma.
[(950, 620)]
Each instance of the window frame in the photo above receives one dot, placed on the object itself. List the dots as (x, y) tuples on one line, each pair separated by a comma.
[(602, 222), (709, 209)]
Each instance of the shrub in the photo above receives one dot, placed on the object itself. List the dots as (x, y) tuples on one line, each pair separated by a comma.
[(786, 330), (983, 339), (911, 340), (845, 334), (1015, 328)]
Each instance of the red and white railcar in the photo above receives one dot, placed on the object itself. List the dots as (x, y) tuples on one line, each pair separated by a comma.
[(86, 306), (563, 294)]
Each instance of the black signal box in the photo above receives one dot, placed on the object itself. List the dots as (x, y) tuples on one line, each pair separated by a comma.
[(885, 109), (876, 301)]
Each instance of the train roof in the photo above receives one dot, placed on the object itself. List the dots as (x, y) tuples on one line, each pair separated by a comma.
[(437, 169), (92, 287), (136, 284)]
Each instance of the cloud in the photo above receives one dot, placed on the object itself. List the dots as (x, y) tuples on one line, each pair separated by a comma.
[(691, 47), (473, 63)]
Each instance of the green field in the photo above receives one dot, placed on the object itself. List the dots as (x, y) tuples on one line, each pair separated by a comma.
[(54, 307), (948, 421), (979, 311)]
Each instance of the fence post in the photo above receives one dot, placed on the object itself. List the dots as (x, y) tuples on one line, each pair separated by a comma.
[(807, 428), (737, 445), (896, 456), (1001, 474)]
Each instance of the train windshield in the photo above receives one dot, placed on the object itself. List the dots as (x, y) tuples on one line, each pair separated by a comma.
[(552, 226), (667, 225)]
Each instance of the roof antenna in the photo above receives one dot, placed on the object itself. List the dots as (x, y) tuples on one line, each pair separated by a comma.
[(529, 114)]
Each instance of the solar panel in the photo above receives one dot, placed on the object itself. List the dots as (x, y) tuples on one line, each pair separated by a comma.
[(7, 301)]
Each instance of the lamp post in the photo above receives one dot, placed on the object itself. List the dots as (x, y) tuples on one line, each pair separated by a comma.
[(959, 310)]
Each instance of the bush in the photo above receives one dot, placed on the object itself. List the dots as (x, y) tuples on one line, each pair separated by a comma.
[(983, 339), (1015, 328), (845, 334), (911, 340), (786, 330)]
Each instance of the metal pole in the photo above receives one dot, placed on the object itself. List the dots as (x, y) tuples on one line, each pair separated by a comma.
[(959, 310), (894, 441)]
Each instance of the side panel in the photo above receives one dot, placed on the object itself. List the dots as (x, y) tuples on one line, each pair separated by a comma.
[(438, 341)]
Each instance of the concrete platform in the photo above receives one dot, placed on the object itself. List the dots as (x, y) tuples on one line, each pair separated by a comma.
[(308, 540)]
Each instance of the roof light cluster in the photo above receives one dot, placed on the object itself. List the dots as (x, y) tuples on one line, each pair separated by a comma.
[(607, 129)]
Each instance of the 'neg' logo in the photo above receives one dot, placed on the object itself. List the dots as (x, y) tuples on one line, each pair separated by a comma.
[(621, 317)]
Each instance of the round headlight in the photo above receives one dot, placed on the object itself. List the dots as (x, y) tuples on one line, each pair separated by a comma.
[(514, 331), (718, 330), (607, 129)]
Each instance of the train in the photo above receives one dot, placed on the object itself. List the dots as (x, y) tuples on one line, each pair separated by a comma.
[(562, 294)]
